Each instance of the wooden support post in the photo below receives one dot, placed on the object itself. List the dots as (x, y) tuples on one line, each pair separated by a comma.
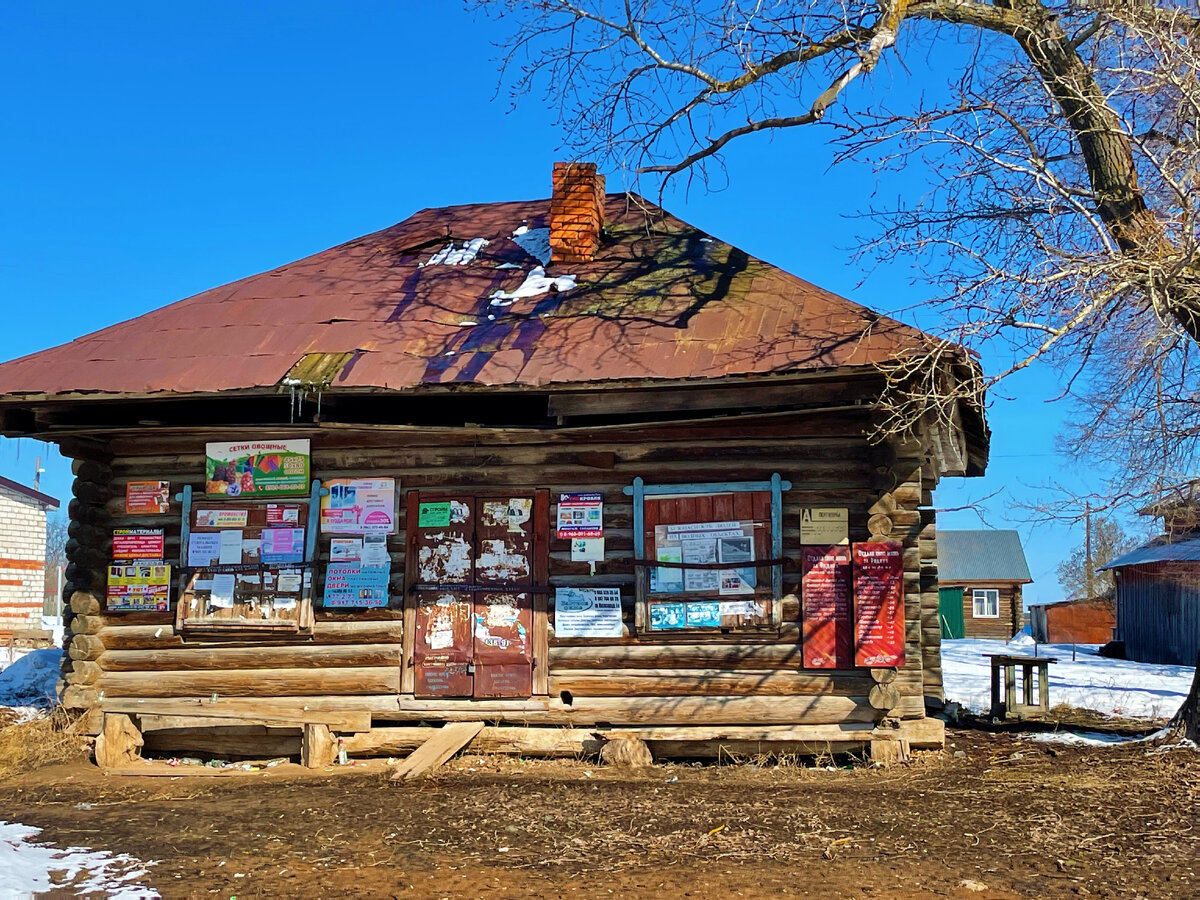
[(1044, 687), (119, 742), (318, 747), (888, 752), (1027, 684), (1010, 688), (997, 708)]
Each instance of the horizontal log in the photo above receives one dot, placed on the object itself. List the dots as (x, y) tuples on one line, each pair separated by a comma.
[(680, 656), (82, 672), (85, 646), (316, 709), (583, 683), (252, 682), (723, 710), (533, 742), (245, 742), (295, 718), (289, 656), (84, 603), (325, 632)]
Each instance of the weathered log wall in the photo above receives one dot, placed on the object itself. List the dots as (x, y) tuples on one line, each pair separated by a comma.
[(356, 657)]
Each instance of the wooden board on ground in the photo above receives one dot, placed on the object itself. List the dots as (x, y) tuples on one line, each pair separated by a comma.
[(448, 740)]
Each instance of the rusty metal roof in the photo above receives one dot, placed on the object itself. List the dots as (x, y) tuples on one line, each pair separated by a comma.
[(661, 300)]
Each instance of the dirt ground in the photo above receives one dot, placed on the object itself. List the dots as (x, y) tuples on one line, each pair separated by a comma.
[(1006, 818)]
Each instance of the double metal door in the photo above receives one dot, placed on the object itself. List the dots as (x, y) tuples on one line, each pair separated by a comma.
[(473, 596)]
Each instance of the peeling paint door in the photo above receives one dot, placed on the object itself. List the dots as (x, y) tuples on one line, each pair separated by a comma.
[(473, 622), (443, 651), (504, 618)]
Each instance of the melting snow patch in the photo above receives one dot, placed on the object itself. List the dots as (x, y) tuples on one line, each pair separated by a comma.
[(1109, 686), (28, 868), (1093, 738), (536, 283), (458, 256), (534, 241), (30, 680)]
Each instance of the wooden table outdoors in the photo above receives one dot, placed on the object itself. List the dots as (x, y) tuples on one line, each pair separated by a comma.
[(1009, 708)]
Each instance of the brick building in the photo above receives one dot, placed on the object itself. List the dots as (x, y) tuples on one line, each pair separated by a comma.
[(22, 555)]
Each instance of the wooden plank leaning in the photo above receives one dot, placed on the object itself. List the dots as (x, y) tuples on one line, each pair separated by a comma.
[(442, 745)]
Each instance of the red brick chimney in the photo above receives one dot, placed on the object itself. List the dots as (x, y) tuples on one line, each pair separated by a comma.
[(576, 212)]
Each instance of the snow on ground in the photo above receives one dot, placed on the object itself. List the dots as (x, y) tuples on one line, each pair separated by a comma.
[(28, 868), (27, 681), (1114, 687)]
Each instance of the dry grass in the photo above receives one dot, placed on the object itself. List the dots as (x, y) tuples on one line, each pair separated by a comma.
[(47, 740)]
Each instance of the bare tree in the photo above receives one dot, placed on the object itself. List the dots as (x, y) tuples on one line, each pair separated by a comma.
[(1061, 141), (1079, 576), (56, 559)]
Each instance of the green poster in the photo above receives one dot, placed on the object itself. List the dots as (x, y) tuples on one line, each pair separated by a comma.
[(257, 469), (433, 515)]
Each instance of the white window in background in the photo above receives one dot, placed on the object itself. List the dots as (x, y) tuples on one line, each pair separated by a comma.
[(985, 603)]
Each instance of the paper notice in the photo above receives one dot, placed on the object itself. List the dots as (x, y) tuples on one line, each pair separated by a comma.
[(203, 549), (289, 583), (375, 551), (222, 588), (231, 547), (665, 580), (702, 551), (345, 549)]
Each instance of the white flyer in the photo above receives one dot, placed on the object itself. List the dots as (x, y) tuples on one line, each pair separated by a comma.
[(587, 612)]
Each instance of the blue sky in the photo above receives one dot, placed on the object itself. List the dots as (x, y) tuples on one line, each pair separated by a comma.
[(153, 150)]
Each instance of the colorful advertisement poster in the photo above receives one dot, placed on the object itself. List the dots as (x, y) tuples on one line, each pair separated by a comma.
[(704, 615), (359, 506), (665, 616), (353, 584), (587, 612), (433, 515), (257, 468), (580, 516), (147, 498), (282, 545), (138, 543), (878, 603), (825, 598), (139, 587), (222, 518)]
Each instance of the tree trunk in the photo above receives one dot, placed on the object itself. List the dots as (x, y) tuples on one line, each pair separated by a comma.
[(1185, 724)]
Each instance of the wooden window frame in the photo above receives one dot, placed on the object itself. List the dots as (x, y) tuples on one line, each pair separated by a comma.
[(188, 626), (640, 492), (975, 598)]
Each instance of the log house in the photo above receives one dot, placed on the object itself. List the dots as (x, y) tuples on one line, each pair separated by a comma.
[(497, 357)]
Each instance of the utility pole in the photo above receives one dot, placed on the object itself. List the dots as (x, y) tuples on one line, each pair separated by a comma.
[(37, 473), (1088, 567)]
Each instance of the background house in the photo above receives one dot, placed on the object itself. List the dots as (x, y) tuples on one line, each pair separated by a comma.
[(980, 574), (1084, 620), (22, 556), (1158, 585)]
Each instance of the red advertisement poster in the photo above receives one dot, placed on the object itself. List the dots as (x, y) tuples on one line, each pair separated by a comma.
[(147, 498), (878, 604), (825, 606), (137, 543)]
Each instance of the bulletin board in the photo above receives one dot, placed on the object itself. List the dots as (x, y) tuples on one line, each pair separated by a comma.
[(708, 556), (245, 567)]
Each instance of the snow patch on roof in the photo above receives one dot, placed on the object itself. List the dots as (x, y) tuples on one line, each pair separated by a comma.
[(534, 241), (458, 256), (535, 284)]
